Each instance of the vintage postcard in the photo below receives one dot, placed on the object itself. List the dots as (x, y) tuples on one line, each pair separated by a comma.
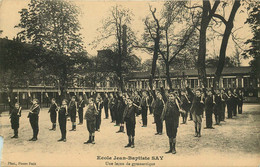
[(129, 83)]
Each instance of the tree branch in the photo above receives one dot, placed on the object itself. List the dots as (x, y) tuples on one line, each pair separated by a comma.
[(221, 18)]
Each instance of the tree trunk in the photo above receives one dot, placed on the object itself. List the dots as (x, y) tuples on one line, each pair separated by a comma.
[(223, 48), (202, 54), (155, 57), (168, 77), (207, 14)]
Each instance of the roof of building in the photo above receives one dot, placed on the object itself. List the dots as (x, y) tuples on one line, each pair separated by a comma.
[(227, 71)]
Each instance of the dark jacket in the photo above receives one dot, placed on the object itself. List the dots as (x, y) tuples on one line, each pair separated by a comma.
[(209, 103), (91, 113), (171, 113), (53, 108), (129, 114), (158, 105), (185, 105), (197, 106), (72, 108), (81, 104), (14, 112), (35, 109)]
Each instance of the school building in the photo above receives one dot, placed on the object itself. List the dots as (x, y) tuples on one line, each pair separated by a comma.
[(232, 77)]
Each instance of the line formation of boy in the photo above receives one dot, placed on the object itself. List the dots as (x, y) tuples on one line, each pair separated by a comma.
[(125, 107)]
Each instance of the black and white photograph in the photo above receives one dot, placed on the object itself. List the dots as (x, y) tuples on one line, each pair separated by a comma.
[(138, 83)]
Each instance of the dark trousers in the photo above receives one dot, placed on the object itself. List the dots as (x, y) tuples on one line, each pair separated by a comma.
[(15, 122), (63, 124), (217, 117), (222, 112), (190, 116), (184, 116), (234, 110), (130, 128), (80, 111), (34, 121), (208, 118), (118, 117), (112, 113), (240, 108), (144, 116), (16, 132), (151, 110), (98, 121), (171, 129), (53, 117), (229, 110), (106, 110), (91, 126), (159, 123)]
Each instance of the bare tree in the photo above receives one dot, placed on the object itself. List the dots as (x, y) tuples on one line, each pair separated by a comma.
[(176, 13)]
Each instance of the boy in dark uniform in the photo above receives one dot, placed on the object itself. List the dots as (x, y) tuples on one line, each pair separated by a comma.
[(209, 109), (81, 105), (106, 105), (63, 112), (90, 116), (15, 114), (144, 107), (73, 107), (240, 101), (129, 117), (121, 107), (190, 96), (53, 112), (158, 105), (223, 105), (185, 105), (112, 107), (235, 102), (171, 113), (229, 101), (217, 107), (34, 118), (99, 106), (197, 111)]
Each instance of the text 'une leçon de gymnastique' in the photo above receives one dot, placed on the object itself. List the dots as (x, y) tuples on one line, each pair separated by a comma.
[(128, 160)]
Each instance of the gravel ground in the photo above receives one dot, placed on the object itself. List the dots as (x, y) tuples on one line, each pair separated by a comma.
[(235, 143)]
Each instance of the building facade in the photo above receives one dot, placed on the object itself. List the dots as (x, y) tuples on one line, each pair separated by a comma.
[(232, 77)]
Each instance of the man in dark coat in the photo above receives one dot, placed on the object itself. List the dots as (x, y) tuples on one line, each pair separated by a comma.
[(15, 114)]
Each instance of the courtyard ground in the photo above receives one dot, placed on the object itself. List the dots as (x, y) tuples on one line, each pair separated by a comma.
[(235, 143)]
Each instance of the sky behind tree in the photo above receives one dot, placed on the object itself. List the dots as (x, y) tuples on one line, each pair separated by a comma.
[(93, 12)]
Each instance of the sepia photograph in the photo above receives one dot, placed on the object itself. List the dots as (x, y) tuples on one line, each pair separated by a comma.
[(138, 83)]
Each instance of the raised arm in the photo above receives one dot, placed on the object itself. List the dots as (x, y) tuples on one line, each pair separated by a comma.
[(163, 94)]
